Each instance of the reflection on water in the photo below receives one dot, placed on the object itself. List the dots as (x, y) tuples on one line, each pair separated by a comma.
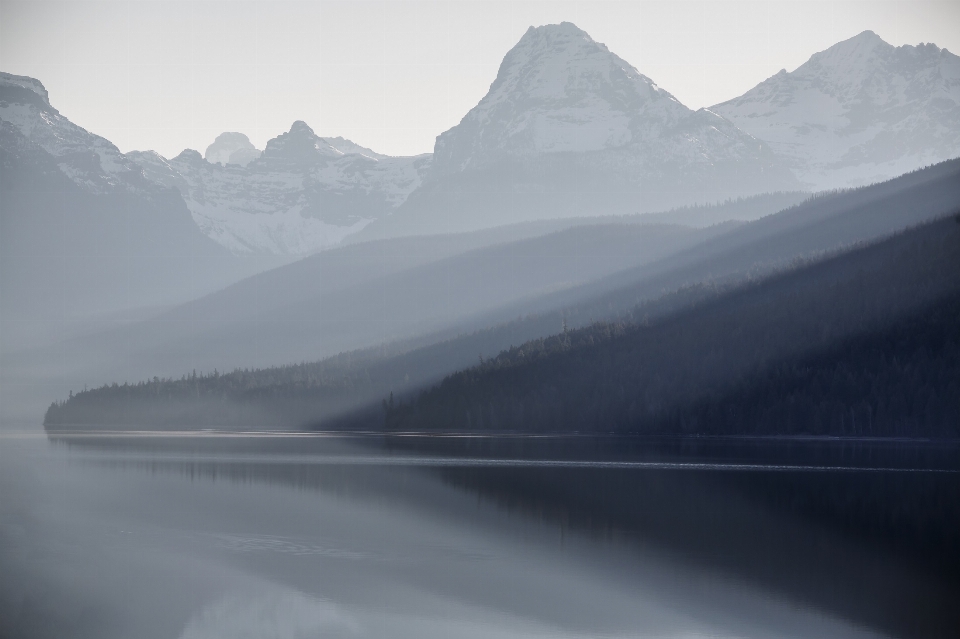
[(280, 612), (477, 537)]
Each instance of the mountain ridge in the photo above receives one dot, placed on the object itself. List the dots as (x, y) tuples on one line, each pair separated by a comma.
[(303, 193), (566, 129), (858, 112)]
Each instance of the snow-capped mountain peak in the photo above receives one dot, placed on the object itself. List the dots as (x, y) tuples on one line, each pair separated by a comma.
[(858, 112), (569, 128), (560, 62), (853, 49), (558, 90)]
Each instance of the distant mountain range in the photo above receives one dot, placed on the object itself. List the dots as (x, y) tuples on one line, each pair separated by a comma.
[(302, 194), (567, 128)]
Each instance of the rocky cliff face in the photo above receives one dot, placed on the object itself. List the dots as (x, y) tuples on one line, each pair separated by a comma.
[(90, 161)]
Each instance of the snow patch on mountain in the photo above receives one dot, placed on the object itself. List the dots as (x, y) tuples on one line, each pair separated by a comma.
[(861, 111), (303, 194), (278, 232)]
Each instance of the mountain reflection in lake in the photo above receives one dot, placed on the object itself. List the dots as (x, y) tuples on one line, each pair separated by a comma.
[(217, 536)]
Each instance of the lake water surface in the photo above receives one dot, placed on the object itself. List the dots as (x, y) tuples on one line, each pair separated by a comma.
[(212, 535)]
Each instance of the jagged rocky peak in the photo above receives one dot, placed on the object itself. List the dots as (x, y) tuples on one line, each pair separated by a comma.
[(231, 148), (861, 111), (299, 146), (558, 90)]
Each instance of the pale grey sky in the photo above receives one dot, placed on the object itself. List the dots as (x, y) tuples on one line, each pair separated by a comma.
[(393, 74)]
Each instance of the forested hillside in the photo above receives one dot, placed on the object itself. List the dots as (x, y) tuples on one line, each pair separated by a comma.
[(866, 343)]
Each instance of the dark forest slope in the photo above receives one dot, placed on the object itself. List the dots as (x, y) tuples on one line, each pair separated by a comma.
[(865, 343)]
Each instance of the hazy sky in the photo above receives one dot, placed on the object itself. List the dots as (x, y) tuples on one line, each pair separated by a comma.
[(393, 74)]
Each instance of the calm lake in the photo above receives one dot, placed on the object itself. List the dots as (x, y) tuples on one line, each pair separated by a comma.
[(210, 535)]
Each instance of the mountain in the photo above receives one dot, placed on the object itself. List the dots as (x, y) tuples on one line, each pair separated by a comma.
[(89, 161), (302, 194), (569, 128), (860, 112), (83, 233), (231, 148)]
